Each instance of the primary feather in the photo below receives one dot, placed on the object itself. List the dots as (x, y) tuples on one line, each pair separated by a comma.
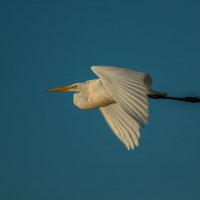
[(127, 88), (130, 109)]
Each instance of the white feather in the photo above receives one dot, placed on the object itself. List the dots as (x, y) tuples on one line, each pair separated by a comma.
[(124, 127), (127, 88)]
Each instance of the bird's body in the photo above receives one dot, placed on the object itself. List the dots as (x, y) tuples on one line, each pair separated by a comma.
[(122, 96), (93, 95)]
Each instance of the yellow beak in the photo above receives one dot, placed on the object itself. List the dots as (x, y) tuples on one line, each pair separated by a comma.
[(63, 89)]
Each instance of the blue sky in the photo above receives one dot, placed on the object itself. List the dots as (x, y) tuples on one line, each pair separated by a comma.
[(49, 149)]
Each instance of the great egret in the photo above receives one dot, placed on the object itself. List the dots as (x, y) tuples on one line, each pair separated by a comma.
[(122, 97)]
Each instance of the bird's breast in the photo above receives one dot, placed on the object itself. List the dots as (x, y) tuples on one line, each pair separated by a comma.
[(94, 96)]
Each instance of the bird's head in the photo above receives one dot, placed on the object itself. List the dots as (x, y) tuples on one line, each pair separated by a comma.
[(77, 87)]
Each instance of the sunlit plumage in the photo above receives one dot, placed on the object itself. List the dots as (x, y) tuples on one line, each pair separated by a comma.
[(121, 95)]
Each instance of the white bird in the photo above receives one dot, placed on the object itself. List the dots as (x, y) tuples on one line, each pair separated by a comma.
[(122, 96)]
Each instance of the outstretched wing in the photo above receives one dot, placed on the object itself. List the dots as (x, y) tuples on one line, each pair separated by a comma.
[(123, 125), (127, 88)]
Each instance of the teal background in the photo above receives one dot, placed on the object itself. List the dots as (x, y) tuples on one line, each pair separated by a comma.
[(49, 149)]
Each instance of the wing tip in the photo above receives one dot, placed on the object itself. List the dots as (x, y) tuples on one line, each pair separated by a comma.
[(96, 68)]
